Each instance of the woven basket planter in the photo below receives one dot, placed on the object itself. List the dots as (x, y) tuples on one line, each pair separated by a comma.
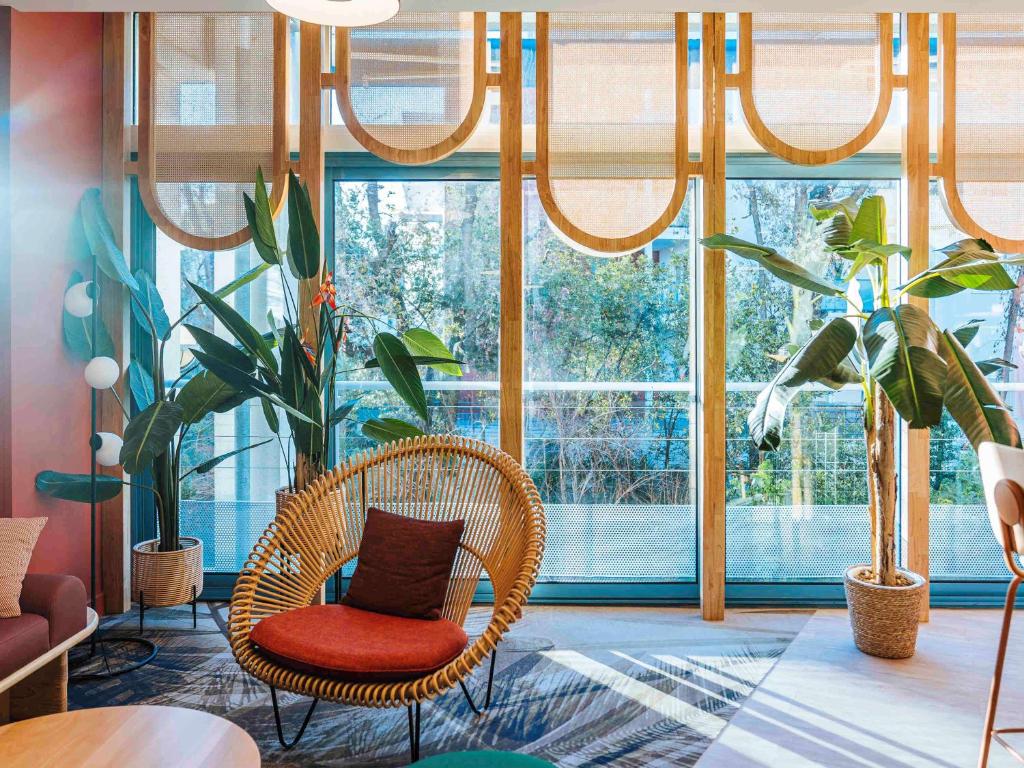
[(167, 578), (884, 619), (282, 498)]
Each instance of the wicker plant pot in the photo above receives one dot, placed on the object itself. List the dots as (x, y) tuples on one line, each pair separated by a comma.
[(282, 498), (884, 619), (167, 578)]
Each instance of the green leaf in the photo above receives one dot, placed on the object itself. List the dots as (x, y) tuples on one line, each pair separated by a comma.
[(223, 350), (903, 356), (61, 485), (242, 280), (149, 434), (419, 360), (270, 415), (101, 240), (993, 364), (423, 343), (400, 370), (387, 430), (140, 383), (969, 264), (342, 411), (206, 466), (869, 223), (246, 384), (817, 360), (972, 402), (148, 306), (778, 265), (78, 332), (241, 329), (303, 238), (843, 374), (261, 222), (207, 393), (965, 333)]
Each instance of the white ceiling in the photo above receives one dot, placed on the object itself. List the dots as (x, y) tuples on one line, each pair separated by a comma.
[(545, 5)]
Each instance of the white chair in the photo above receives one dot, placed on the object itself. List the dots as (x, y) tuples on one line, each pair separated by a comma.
[(1002, 472)]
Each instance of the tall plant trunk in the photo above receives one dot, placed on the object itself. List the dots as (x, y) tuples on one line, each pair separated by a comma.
[(881, 435), (166, 485), (303, 472)]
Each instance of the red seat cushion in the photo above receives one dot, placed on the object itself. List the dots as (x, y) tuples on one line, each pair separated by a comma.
[(351, 644)]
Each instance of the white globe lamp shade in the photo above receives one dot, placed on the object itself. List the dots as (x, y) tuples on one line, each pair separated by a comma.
[(108, 448), (78, 299), (102, 372), (338, 13)]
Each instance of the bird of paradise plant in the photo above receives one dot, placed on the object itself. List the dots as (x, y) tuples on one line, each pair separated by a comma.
[(300, 378)]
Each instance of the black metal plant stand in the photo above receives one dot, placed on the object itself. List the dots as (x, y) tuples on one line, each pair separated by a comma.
[(142, 609), (101, 643)]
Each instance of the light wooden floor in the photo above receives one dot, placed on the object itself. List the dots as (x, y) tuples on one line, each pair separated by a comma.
[(826, 704)]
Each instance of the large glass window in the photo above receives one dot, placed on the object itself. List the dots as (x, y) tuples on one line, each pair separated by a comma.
[(230, 506), (608, 382), (420, 254), (798, 514), (961, 544)]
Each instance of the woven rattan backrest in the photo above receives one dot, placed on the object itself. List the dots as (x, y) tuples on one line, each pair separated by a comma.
[(815, 87), (211, 112), (611, 125), (430, 478), (982, 128), (411, 90)]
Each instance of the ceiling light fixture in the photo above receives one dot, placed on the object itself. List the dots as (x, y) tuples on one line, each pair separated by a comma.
[(338, 13)]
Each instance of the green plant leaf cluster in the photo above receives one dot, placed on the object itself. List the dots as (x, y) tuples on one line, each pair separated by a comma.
[(922, 369)]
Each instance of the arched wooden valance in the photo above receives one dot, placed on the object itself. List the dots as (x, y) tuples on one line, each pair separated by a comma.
[(212, 101), (981, 132), (815, 87), (612, 164), (411, 90)]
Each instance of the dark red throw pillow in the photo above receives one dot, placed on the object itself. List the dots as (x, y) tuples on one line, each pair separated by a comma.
[(404, 565)]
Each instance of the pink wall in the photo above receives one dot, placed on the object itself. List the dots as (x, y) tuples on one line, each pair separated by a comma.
[(56, 143)]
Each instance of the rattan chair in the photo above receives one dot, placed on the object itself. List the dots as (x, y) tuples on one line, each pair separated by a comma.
[(433, 477), (1002, 472)]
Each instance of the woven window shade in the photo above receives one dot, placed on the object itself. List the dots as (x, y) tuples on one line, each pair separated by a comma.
[(411, 90), (816, 87), (611, 134), (985, 123), (211, 114)]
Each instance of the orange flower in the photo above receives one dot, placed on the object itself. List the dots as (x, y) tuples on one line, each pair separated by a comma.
[(310, 352), (327, 293)]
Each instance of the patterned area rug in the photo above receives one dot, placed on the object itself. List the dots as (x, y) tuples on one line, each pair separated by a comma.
[(575, 686)]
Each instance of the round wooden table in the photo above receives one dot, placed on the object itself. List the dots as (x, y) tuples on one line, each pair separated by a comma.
[(118, 737)]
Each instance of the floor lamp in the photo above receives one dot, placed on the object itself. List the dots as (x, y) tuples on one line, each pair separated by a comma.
[(104, 447)]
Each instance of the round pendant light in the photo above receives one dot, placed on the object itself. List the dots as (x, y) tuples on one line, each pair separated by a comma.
[(338, 13)]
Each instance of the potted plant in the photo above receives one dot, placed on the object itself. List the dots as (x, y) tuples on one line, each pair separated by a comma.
[(300, 376), (167, 570), (907, 368)]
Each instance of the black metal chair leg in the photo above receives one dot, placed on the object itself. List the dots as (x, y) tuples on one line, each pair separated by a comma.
[(414, 732), (277, 721), (490, 680), (490, 686)]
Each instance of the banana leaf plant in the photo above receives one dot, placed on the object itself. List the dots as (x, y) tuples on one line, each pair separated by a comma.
[(165, 413), (300, 376), (905, 364)]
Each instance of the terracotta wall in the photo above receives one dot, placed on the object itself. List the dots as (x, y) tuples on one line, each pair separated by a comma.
[(55, 154)]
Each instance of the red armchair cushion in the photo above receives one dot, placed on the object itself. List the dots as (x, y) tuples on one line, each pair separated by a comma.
[(404, 565), (61, 600), (350, 644), (22, 639)]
